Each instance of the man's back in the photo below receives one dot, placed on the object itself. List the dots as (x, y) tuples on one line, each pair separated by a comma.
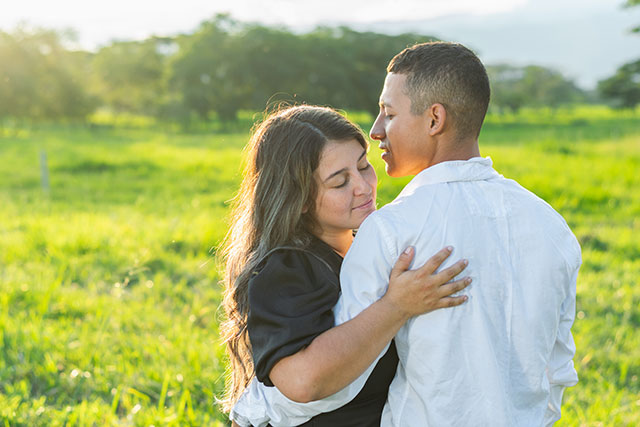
[(486, 362)]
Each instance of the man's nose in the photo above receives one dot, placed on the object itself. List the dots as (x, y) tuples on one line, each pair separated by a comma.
[(377, 130)]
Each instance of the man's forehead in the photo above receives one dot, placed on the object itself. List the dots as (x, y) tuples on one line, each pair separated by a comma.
[(393, 87)]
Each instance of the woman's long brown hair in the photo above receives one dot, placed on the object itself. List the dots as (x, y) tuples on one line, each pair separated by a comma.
[(274, 207)]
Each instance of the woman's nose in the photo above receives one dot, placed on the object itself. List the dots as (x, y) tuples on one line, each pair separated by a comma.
[(362, 186)]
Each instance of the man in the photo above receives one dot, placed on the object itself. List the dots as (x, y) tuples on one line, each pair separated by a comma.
[(504, 357)]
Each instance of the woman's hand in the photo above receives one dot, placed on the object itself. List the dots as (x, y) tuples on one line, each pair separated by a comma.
[(423, 290)]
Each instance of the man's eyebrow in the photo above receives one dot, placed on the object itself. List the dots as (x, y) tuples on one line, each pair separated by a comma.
[(385, 104), (338, 172)]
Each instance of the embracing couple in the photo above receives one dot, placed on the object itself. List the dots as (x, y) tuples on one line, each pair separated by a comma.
[(384, 328)]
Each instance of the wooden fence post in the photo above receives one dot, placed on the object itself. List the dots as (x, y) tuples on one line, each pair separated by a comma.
[(44, 172)]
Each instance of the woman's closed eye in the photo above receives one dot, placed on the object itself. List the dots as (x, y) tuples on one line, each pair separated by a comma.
[(346, 180)]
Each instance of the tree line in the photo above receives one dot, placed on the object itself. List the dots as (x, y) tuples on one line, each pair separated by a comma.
[(624, 86), (225, 66)]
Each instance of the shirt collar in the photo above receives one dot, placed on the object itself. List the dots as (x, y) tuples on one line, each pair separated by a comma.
[(474, 169)]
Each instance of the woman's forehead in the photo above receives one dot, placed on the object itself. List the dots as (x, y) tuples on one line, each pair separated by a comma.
[(338, 155)]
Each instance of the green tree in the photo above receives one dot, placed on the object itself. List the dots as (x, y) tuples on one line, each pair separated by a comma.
[(128, 75), (269, 64), (40, 78), (514, 87), (203, 74), (226, 66), (624, 86), (632, 3)]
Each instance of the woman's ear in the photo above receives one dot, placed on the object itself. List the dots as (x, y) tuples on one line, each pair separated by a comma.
[(436, 119)]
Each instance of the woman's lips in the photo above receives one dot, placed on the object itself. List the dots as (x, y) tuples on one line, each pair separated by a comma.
[(367, 205)]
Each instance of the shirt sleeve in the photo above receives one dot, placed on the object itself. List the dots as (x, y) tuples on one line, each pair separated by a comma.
[(560, 370), (364, 276), (291, 301)]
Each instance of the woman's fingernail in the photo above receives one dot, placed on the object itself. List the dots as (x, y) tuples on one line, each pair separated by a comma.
[(449, 248), (408, 250), (468, 280), (465, 261)]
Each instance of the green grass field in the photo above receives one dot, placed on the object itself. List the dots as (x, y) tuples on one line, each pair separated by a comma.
[(109, 287)]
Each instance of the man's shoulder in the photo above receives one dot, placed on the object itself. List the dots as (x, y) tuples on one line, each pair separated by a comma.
[(531, 201), (411, 198), (550, 221), (397, 213)]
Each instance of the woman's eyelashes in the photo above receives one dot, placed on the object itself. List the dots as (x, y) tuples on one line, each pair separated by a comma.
[(343, 184), (346, 176)]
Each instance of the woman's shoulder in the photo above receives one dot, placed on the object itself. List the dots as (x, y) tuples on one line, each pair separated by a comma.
[(291, 268), (291, 260), (291, 297)]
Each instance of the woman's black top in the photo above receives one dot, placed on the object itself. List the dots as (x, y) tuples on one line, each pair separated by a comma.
[(291, 298)]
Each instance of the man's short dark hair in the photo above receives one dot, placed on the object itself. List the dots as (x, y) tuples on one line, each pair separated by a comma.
[(448, 74)]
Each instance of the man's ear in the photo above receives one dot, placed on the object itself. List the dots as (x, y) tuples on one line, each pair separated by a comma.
[(436, 119)]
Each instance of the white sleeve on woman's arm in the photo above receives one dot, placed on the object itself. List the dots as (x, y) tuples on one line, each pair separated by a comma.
[(560, 371), (364, 279), (260, 405)]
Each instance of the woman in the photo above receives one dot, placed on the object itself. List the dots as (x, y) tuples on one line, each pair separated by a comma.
[(306, 187)]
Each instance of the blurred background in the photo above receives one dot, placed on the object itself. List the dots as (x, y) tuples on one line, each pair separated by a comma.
[(122, 127), (183, 62)]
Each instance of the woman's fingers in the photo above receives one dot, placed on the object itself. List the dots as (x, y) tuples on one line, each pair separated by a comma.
[(453, 287), (435, 261), (449, 273), (403, 262), (423, 290), (451, 301)]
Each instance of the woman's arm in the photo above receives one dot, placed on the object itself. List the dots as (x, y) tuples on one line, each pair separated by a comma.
[(338, 356)]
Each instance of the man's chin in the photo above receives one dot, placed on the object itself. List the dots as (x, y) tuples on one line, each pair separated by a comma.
[(391, 171)]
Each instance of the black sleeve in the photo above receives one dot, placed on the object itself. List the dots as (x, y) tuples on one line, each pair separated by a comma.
[(290, 303)]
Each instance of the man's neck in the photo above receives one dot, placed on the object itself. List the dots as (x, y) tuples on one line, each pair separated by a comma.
[(455, 150)]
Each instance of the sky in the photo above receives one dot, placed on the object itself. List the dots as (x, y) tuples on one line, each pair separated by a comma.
[(99, 21), (585, 39)]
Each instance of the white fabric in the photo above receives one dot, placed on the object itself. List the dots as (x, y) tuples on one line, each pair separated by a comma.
[(501, 359)]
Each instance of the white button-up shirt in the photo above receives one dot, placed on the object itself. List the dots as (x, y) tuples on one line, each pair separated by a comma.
[(501, 359)]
